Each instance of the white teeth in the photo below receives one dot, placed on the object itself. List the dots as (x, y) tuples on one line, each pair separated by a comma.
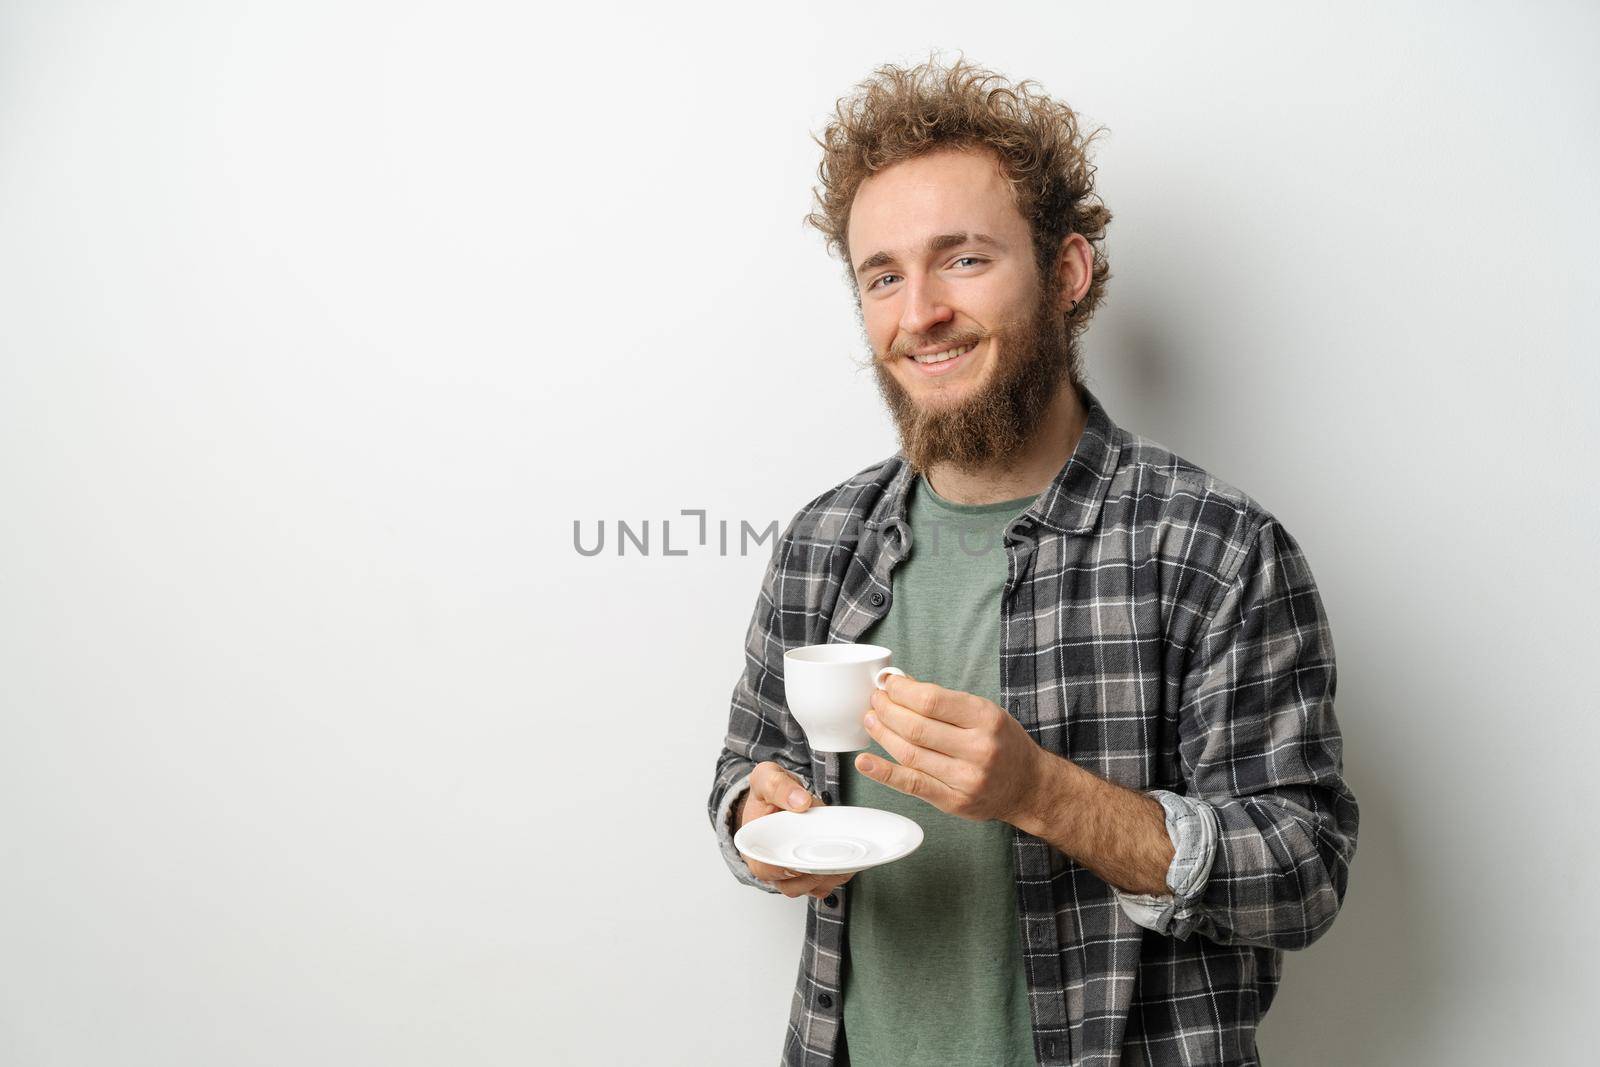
[(949, 353)]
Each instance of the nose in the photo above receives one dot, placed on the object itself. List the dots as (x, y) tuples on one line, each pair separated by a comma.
[(924, 307)]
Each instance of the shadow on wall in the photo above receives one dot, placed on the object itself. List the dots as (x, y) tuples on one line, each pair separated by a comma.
[(1366, 992), (1150, 391)]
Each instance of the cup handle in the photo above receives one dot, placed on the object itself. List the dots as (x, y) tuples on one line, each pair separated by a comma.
[(877, 679)]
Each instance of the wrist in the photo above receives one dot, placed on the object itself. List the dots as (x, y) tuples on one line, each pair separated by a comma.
[(1045, 801)]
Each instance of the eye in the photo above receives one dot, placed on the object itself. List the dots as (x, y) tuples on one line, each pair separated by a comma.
[(971, 259), (880, 278)]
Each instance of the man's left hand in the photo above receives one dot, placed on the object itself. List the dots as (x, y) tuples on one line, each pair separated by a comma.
[(959, 752)]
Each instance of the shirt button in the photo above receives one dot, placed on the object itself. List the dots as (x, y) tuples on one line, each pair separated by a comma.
[(824, 1000), (831, 900), (827, 796), (876, 599)]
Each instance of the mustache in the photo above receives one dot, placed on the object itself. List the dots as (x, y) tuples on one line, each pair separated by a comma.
[(900, 351)]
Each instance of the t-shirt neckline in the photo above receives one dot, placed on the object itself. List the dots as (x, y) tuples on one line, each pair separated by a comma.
[(942, 504)]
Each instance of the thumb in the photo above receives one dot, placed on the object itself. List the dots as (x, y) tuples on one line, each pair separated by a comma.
[(781, 789), (791, 795)]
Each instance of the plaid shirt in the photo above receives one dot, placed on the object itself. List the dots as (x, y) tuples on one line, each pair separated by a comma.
[(1159, 628)]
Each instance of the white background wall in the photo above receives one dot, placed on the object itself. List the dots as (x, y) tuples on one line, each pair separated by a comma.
[(320, 324)]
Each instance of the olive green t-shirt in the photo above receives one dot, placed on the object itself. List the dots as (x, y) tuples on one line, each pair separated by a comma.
[(934, 969)]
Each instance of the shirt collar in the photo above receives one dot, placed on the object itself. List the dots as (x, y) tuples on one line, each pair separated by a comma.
[(1069, 504)]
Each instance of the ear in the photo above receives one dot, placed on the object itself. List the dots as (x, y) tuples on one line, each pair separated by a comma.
[(1074, 269)]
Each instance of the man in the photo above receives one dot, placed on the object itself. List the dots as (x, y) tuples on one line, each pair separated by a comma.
[(1117, 728)]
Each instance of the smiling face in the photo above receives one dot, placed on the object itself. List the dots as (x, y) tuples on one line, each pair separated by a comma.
[(969, 347)]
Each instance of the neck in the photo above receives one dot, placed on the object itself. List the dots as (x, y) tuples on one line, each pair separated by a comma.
[(1027, 473)]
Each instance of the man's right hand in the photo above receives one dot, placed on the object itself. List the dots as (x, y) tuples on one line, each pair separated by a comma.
[(774, 789)]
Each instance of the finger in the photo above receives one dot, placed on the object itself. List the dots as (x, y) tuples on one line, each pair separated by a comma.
[(798, 886), (767, 872), (909, 781), (949, 771), (920, 729), (781, 789), (934, 701)]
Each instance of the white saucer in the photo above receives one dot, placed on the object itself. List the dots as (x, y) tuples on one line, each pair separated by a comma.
[(829, 840)]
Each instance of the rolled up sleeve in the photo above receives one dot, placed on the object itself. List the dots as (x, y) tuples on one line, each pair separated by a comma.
[(1261, 749), (1192, 825)]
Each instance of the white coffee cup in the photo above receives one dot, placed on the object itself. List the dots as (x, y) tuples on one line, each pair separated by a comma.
[(829, 690)]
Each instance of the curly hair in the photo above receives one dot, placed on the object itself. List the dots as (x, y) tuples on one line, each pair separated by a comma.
[(900, 113)]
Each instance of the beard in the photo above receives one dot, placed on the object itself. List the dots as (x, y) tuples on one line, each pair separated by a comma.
[(1035, 354)]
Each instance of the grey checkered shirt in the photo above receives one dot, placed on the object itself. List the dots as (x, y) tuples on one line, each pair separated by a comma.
[(1159, 628)]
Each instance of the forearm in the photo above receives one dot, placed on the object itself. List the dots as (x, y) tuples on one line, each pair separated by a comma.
[(1119, 834)]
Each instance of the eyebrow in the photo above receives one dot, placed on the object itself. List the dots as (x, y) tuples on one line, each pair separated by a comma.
[(937, 243)]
